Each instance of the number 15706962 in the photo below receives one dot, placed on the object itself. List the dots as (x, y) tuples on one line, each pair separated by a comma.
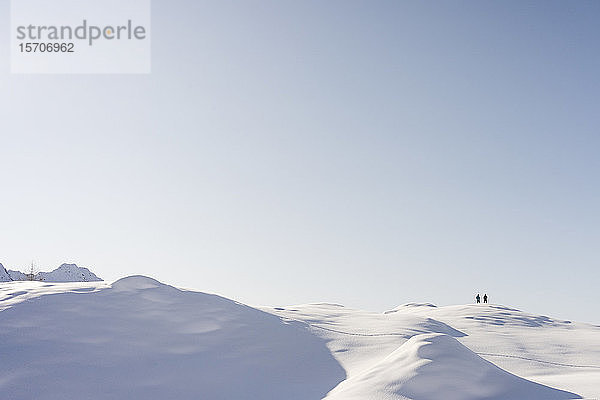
[(47, 47)]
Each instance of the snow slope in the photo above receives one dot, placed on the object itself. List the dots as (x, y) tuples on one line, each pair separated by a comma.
[(142, 339), (139, 338)]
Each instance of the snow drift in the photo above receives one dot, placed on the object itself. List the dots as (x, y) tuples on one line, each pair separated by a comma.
[(146, 340), (429, 365)]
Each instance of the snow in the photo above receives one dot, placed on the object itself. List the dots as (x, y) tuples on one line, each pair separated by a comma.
[(140, 338)]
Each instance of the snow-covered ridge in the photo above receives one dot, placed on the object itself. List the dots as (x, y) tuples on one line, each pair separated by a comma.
[(64, 273)]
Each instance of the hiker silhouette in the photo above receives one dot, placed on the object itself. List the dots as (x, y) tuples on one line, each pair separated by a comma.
[(478, 298), (485, 298)]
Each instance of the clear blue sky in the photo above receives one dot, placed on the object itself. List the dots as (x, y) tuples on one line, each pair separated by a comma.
[(365, 153)]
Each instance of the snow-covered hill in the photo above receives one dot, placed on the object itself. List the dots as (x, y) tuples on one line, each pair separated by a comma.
[(138, 338)]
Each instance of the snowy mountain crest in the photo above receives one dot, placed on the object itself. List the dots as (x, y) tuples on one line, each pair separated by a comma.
[(69, 273), (64, 273)]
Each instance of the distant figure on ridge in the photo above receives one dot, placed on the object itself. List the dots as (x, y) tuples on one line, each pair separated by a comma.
[(485, 298), (478, 298)]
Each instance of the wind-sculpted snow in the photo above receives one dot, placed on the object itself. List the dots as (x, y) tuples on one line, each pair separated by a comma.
[(410, 305), (558, 354), (432, 366), (358, 339), (551, 351), (138, 282), (141, 339)]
